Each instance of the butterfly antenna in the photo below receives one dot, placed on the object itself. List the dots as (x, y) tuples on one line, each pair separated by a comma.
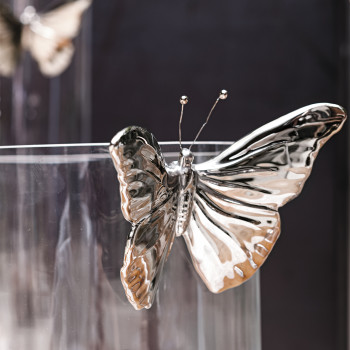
[(183, 101), (222, 96)]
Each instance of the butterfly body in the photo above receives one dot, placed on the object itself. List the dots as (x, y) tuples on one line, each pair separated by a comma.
[(186, 179), (226, 208)]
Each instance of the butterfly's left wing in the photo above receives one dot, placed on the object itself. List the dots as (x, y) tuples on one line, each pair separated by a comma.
[(149, 200), (49, 36), (235, 221), (146, 252)]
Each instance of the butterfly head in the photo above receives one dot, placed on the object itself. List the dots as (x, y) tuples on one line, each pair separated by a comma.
[(186, 158)]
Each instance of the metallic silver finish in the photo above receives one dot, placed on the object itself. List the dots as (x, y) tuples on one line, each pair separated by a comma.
[(149, 202), (225, 208), (187, 187)]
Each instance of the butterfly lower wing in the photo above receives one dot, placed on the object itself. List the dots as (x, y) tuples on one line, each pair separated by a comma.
[(149, 199), (49, 38), (10, 38), (146, 252), (229, 241), (235, 219)]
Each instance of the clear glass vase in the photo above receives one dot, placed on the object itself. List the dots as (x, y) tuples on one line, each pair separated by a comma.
[(61, 248)]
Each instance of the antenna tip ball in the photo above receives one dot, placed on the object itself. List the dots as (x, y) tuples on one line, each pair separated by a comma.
[(184, 100), (223, 95)]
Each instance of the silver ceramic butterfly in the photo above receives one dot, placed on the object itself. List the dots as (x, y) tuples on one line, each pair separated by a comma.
[(48, 37), (226, 208)]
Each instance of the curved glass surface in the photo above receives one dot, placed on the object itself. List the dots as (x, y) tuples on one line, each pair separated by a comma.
[(61, 248)]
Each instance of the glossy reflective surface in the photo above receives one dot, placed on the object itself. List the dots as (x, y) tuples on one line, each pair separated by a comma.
[(226, 208), (62, 243), (236, 220)]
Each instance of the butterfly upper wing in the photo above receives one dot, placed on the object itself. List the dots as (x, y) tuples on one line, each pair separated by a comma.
[(235, 221), (10, 38), (49, 36), (149, 198)]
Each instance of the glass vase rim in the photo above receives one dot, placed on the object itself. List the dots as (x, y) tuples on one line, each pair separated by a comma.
[(105, 144)]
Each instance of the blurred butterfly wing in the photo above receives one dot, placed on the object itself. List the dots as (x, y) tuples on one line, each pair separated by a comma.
[(235, 222), (49, 38), (52, 54), (10, 38), (149, 200), (65, 20)]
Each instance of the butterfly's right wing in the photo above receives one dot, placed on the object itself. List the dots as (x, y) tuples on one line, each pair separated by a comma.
[(149, 199), (235, 221), (10, 39)]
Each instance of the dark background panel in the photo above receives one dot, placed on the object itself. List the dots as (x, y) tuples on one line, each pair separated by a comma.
[(272, 57)]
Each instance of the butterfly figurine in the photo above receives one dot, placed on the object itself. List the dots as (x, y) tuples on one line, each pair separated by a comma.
[(226, 208), (47, 36)]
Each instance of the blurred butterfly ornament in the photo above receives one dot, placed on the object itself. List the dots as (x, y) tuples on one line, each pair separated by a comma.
[(226, 208), (48, 37)]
